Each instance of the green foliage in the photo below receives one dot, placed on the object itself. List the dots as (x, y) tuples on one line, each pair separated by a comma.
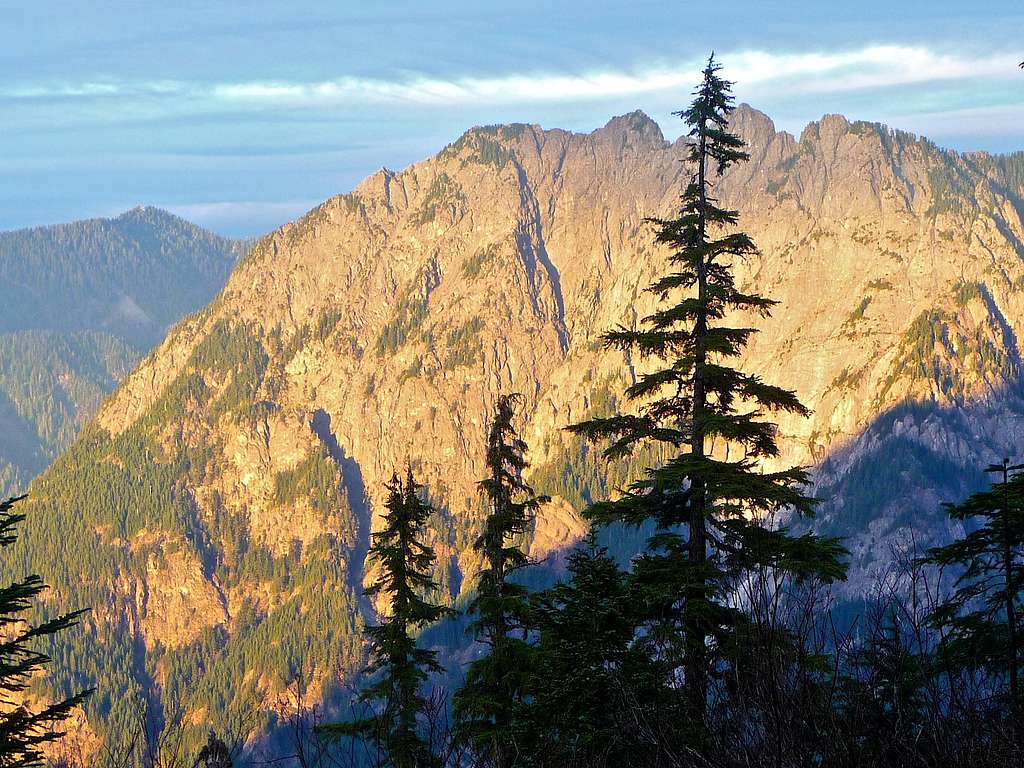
[(848, 379), (472, 266), (506, 132), (50, 384), (442, 192), (577, 472), (965, 293), (716, 516), (926, 333), (316, 479), (864, 128), (882, 694), (235, 348), (125, 501), (948, 187), (414, 370), (353, 203), (858, 312), (400, 666), (464, 344), (590, 683), (410, 312), (83, 302), (934, 349), (983, 620), (318, 627), (484, 150), (23, 729), (496, 683), (326, 322), (75, 277)]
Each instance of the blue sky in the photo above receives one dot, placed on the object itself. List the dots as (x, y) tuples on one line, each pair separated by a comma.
[(242, 115)]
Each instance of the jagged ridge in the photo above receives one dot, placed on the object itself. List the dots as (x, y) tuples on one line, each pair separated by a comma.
[(379, 328)]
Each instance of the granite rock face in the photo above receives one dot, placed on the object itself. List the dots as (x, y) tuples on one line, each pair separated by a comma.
[(379, 329)]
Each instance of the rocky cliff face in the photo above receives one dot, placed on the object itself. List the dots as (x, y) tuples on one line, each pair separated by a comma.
[(225, 493)]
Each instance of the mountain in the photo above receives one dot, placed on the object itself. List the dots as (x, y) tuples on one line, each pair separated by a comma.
[(223, 496), (82, 303)]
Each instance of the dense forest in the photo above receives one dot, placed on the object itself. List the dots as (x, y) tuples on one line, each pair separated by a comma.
[(715, 642), (84, 302)]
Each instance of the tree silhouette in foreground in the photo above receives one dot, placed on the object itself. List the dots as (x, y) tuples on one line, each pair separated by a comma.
[(715, 515), (982, 618), (24, 731), (485, 706), (405, 563), (593, 693)]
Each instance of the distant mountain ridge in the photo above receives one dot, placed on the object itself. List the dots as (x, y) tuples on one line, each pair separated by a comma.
[(81, 303), (130, 276), (224, 494)]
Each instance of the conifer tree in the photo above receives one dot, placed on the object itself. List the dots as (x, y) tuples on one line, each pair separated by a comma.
[(592, 693), (982, 619), (711, 508), (404, 578), (486, 704), (23, 732)]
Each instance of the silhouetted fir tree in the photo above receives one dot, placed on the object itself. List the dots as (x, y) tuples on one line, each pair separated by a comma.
[(714, 513), (592, 695), (24, 731), (982, 619), (486, 704), (405, 563)]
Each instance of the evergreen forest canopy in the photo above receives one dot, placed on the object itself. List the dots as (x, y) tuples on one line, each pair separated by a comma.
[(83, 302), (714, 646)]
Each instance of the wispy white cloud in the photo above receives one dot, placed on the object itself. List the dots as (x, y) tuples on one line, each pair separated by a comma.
[(758, 71), (872, 67), (865, 68), (92, 89), (230, 216)]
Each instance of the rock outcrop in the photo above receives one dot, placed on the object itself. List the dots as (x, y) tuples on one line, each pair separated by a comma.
[(379, 329)]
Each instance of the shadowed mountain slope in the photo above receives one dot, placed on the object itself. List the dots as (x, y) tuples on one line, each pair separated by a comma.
[(224, 494)]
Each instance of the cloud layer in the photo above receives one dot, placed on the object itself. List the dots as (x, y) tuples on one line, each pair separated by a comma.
[(244, 152), (759, 71)]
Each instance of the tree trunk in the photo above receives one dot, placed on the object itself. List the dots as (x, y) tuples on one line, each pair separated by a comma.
[(696, 661)]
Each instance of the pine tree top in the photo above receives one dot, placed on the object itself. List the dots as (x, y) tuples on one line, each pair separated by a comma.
[(693, 397), (405, 560)]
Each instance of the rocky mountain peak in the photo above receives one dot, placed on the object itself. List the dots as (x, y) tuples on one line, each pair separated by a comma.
[(381, 327), (635, 127), (752, 125)]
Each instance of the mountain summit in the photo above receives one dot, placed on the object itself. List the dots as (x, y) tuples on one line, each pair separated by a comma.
[(223, 497)]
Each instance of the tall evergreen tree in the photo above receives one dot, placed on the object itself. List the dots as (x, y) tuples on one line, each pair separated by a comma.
[(712, 511), (486, 704), (404, 578), (23, 732), (984, 617)]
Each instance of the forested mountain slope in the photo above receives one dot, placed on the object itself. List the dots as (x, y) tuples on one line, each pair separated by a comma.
[(223, 496), (82, 303)]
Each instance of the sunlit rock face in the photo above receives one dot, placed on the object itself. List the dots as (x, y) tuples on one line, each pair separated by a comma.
[(378, 330)]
